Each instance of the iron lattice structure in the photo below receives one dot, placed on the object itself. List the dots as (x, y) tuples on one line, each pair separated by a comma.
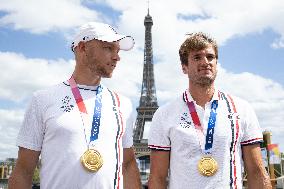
[(148, 101)]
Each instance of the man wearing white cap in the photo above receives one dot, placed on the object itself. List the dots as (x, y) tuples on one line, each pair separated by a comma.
[(79, 127)]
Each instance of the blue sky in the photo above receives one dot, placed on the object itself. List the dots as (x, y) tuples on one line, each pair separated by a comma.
[(35, 51), (252, 53)]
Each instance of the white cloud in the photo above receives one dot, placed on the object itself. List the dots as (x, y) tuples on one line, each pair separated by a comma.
[(40, 16), (278, 43), (9, 126), (223, 19), (266, 97), (21, 76)]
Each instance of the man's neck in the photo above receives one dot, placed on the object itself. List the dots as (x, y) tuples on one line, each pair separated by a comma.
[(201, 94), (86, 79)]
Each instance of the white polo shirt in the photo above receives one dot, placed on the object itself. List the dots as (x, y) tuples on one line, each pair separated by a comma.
[(53, 125), (173, 130)]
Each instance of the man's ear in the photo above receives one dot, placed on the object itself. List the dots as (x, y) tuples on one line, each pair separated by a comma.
[(81, 46), (184, 68)]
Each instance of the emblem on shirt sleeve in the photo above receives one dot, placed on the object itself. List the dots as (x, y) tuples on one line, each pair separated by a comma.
[(185, 121), (67, 107)]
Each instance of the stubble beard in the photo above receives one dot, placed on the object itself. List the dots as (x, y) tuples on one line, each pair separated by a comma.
[(204, 81), (103, 72), (99, 70)]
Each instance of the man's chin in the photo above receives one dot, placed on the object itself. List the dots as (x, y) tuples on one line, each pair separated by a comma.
[(205, 82), (107, 75)]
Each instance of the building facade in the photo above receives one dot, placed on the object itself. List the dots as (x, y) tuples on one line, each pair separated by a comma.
[(6, 168)]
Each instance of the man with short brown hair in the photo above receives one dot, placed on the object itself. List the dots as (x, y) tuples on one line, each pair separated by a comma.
[(201, 138)]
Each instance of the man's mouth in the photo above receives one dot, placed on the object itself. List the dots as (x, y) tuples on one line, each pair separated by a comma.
[(112, 65), (204, 70)]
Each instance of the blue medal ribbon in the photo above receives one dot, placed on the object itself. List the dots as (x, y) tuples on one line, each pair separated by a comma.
[(97, 115), (211, 126)]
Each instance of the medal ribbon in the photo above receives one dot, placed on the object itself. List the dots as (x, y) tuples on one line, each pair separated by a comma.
[(197, 125), (82, 108), (211, 126)]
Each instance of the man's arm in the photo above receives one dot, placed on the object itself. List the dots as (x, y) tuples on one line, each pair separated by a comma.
[(257, 175), (22, 175), (130, 171), (159, 162)]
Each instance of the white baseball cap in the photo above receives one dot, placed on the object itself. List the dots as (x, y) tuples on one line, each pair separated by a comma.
[(102, 32)]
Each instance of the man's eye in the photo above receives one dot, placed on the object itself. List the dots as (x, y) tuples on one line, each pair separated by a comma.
[(210, 57), (108, 47), (196, 58)]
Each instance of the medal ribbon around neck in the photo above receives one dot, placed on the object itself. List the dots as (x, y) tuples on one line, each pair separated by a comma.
[(91, 160), (82, 108), (207, 166), (197, 125)]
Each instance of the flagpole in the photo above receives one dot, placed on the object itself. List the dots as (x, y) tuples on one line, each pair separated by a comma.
[(281, 170), (267, 138)]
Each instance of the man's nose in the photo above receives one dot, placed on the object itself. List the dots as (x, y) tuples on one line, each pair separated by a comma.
[(116, 56), (205, 60)]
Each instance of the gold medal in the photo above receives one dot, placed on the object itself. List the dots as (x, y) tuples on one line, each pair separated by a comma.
[(92, 160), (207, 166)]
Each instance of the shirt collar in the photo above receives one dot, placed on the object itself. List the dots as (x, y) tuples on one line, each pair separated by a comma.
[(187, 95)]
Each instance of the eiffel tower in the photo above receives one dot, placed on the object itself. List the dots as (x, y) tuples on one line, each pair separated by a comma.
[(147, 105), (148, 101)]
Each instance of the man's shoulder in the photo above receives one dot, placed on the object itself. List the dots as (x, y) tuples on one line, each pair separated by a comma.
[(231, 97), (241, 105), (170, 107), (51, 90), (43, 98)]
